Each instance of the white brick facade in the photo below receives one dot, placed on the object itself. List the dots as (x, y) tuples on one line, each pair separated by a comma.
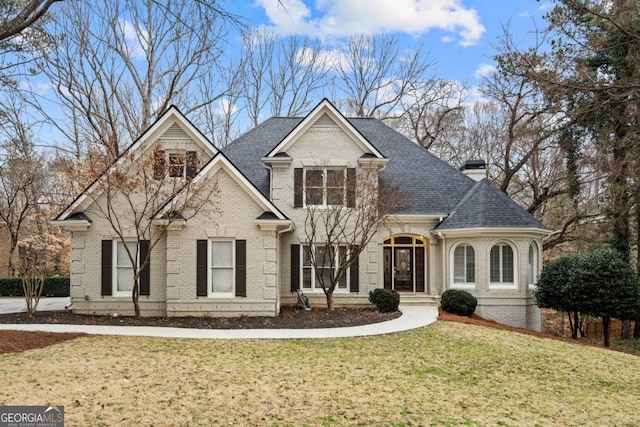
[(270, 224)]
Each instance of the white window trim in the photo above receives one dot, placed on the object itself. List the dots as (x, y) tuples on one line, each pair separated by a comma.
[(114, 263), (317, 288), (210, 292), (536, 265), (462, 285), (324, 170), (503, 285)]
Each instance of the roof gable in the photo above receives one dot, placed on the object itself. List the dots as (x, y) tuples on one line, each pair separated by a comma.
[(172, 124), (325, 115)]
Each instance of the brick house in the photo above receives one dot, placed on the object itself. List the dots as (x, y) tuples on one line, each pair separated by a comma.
[(453, 230)]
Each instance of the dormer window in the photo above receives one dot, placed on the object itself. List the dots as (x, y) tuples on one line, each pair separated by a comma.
[(325, 187)]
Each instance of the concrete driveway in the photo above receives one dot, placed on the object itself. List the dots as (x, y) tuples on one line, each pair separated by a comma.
[(17, 305)]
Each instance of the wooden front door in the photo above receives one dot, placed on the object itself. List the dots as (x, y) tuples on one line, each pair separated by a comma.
[(403, 267)]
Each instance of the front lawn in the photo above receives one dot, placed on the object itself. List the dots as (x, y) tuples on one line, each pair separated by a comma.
[(444, 374)]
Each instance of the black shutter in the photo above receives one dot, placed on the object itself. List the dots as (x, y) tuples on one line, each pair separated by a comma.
[(351, 188), (241, 268), (191, 164), (354, 271), (297, 187), (145, 274), (107, 267), (295, 267), (419, 263), (201, 272), (158, 164)]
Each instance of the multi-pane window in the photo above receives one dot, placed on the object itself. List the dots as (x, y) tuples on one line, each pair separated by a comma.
[(464, 265), (326, 262), (177, 165), (124, 268), (532, 264), (501, 264), (325, 186), (221, 267)]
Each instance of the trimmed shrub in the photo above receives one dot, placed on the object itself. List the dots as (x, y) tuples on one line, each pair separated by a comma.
[(458, 302), (55, 286), (386, 300)]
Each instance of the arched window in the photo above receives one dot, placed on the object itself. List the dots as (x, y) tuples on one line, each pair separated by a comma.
[(464, 266), (502, 265), (532, 264)]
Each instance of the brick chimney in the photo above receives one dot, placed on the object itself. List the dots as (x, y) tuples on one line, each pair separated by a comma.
[(475, 169)]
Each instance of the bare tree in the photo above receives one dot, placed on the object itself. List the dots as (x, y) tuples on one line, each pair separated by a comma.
[(135, 190), (341, 220), (118, 64), (20, 15), (430, 110), (375, 75), (22, 178)]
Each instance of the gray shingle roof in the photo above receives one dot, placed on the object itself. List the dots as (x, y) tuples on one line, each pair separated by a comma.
[(432, 186), (486, 206)]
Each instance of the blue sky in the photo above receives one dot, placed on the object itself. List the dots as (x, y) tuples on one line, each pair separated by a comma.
[(460, 34)]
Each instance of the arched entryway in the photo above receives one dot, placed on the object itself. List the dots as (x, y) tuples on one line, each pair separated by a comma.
[(405, 260)]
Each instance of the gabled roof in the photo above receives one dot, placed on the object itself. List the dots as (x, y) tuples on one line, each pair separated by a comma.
[(325, 107), (154, 131), (485, 206), (432, 186)]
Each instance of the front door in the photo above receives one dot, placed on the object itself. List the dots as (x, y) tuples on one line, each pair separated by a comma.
[(404, 259), (403, 269)]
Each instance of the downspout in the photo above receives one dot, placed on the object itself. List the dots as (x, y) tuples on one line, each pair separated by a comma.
[(444, 261), (278, 252)]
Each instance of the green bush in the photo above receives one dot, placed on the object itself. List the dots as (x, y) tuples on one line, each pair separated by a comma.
[(386, 300), (458, 302), (55, 286)]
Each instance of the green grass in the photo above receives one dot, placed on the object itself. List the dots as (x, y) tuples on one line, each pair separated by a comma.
[(447, 374)]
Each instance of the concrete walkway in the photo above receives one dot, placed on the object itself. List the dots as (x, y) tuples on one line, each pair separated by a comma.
[(412, 317)]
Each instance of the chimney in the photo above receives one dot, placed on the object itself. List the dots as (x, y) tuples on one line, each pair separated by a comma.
[(475, 169)]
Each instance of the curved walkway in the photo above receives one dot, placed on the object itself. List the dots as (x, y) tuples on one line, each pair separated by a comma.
[(412, 317)]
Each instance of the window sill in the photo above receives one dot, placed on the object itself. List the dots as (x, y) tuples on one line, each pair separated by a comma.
[(126, 294), (226, 295), (463, 286), (509, 286)]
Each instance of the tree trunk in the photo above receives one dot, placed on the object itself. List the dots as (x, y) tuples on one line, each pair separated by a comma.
[(329, 296), (134, 295), (626, 329), (12, 250), (636, 329), (574, 324), (605, 330)]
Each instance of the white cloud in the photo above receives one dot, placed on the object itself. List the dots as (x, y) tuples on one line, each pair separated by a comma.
[(484, 70), (135, 38), (335, 18)]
